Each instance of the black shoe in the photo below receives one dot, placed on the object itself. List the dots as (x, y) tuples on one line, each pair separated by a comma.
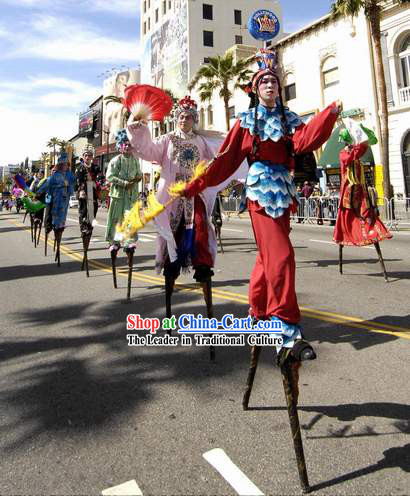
[(302, 350)]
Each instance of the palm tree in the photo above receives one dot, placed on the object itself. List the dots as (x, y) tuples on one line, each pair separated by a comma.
[(45, 159), (372, 11), (63, 145), (52, 143), (217, 74)]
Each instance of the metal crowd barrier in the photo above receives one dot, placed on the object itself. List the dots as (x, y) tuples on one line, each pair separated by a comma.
[(397, 212), (318, 209)]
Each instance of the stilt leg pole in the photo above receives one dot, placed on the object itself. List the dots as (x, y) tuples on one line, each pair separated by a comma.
[(130, 256), (169, 289), (207, 290), (46, 241), (289, 378), (40, 225), (255, 353), (31, 228), (114, 269), (381, 260), (341, 259), (86, 242), (58, 235)]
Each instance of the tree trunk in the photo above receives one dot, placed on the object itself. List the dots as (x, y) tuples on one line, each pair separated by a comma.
[(228, 121), (374, 18)]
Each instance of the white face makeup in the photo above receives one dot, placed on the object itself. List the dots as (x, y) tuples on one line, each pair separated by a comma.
[(88, 158), (185, 122), (268, 90)]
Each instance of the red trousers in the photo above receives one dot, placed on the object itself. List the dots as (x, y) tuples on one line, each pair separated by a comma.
[(202, 255), (272, 284)]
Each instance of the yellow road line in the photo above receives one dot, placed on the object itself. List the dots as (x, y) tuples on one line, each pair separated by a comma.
[(334, 318)]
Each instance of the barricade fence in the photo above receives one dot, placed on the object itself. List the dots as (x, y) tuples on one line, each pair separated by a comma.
[(319, 209)]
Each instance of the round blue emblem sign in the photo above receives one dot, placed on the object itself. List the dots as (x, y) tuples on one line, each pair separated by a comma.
[(263, 25)]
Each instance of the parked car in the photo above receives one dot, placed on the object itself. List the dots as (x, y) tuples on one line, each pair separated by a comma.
[(73, 201)]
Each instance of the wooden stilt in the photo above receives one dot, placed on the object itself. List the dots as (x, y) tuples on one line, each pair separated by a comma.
[(31, 227), (381, 260), (289, 377), (114, 270), (218, 230), (169, 289), (35, 227), (130, 256), (46, 241), (86, 242), (40, 225), (25, 215), (341, 259), (207, 290), (58, 236), (55, 241), (255, 353)]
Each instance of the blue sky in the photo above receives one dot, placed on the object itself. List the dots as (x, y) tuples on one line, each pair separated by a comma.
[(53, 54)]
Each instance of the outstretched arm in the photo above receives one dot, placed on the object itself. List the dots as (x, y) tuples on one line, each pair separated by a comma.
[(142, 144), (311, 136)]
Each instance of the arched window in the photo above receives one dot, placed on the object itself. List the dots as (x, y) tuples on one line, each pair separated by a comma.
[(404, 54), (289, 87), (210, 116), (330, 80)]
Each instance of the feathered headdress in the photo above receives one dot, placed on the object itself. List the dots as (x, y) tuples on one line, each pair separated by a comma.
[(62, 159), (187, 105), (267, 63)]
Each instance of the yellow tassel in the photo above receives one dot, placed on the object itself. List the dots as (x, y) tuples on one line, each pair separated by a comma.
[(200, 170), (176, 189), (132, 221), (154, 208)]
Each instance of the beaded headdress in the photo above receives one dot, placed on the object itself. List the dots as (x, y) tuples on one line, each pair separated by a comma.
[(187, 105), (267, 63), (121, 138)]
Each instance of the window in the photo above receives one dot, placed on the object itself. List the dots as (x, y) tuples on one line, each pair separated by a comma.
[(169, 4), (149, 4), (290, 92), (145, 28), (207, 11), (145, 6), (330, 72), (238, 17), (149, 23), (209, 38), (164, 7), (210, 116), (156, 15), (238, 40), (231, 112), (206, 60), (202, 118), (405, 62)]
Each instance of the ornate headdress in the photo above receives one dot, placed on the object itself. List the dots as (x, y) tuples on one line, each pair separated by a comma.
[(62, 159), (187, 105), (88, 149), (267, 63), (121, 138)]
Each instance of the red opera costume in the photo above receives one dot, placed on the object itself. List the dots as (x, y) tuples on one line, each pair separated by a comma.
[(358, 223), (272, 283)]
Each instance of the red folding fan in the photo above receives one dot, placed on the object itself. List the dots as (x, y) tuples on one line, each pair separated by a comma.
[(147, 103)]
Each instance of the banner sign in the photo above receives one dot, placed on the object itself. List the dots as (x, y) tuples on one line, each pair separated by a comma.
[(86, 123), (263, 25)]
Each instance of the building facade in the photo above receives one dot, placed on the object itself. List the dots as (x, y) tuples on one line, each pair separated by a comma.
[(178, 36)]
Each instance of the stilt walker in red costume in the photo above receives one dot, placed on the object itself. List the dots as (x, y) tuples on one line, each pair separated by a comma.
[(358, 222), (269, 136)]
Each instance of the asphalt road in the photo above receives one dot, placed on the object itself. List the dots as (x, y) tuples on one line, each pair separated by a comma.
[(82, 412)]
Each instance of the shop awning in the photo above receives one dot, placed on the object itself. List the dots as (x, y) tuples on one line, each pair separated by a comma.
[(330, 154)]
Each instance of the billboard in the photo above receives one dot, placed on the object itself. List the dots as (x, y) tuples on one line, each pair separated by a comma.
[(86, 123), (166, 53)]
